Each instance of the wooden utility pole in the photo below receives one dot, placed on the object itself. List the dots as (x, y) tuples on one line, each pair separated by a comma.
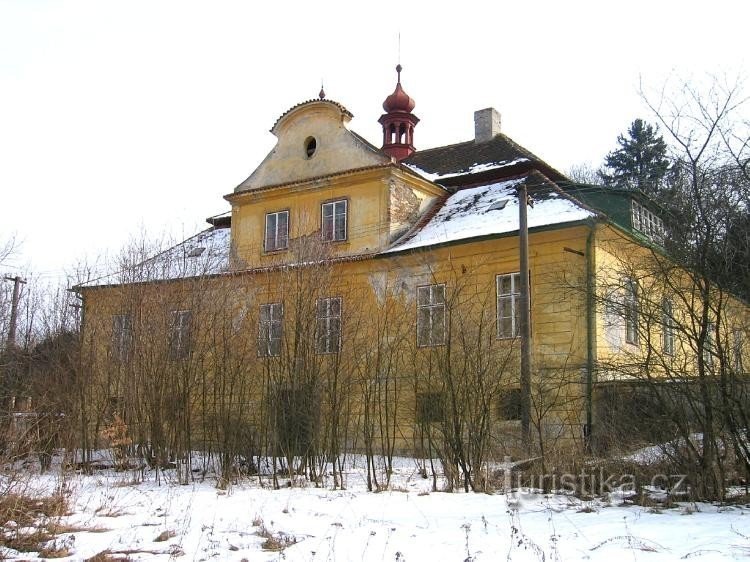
[(17, 281), (525, 318)]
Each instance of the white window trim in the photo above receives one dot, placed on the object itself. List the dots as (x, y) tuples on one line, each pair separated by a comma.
[(631, 311), (738, 344), (647, 222), (179, 333), (514, 297), (330, 344), (431, 307), (668, 335), (334, 205), (276, 246), (709, 345), (122, 337), (265, 329)]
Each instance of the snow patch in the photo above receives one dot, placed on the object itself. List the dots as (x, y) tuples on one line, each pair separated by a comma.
[(490, 209)]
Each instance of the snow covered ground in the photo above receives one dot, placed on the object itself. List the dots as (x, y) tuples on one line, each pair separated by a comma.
[(147, 521)]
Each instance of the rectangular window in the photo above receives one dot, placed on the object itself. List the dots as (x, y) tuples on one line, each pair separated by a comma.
[(509, 405), (508, 300), (430, 315), (647, 222), (295, 414), (737, 348), (328, 329), (333, 224), (122, 338), (269, 329), (667, 327), (708, 345), (430, 407), (631, 311), (179, 333), (277, 231)]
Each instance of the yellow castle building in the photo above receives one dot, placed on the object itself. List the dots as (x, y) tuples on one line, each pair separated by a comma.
[(365, 299)]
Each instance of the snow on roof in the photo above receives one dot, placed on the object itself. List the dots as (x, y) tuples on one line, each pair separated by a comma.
[(206, 253), (491, 209), (473, 169)]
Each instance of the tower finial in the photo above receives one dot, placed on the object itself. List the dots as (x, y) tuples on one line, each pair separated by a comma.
[(322, 93), (398, 122)]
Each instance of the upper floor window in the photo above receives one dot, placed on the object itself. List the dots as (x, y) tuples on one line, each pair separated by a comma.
[(277, 231), (122, 337), (430, 315), (738, 344), (647, 222), (630, 306), (334, 219), (708, 345), (508, 300), (328, 328), (179, 333), (269, 329), (668, 325)]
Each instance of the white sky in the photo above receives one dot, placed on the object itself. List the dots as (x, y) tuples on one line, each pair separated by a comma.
[(118, 117)]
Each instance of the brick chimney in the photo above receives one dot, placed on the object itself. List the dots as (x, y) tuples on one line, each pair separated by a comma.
[(486, 124)]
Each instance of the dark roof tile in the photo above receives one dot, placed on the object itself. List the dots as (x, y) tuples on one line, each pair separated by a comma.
[(471, 162)]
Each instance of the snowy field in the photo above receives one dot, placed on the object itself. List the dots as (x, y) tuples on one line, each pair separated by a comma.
[(250, 521)]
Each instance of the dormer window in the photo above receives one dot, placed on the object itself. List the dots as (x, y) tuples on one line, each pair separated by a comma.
[(647, 222), (311, 145)]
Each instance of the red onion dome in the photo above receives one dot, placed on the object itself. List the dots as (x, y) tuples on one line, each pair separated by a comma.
[(399, 100)]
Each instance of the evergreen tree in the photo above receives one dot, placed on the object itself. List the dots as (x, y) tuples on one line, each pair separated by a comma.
[(640, 162)]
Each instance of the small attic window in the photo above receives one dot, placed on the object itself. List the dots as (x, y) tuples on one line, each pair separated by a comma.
[(195, 252), (310, 146)]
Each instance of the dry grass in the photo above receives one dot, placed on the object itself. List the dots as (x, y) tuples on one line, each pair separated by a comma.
[(55, 552), (274, 543), (278, 542), (29, 524), (107, 556), (165, 536)]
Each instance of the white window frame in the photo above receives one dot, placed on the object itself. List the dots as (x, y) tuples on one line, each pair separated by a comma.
[(328, 325), (647, 222), (276, 238), (631, 310), (431, 315), (505, 299), (708, 345), (738, 343), (270, 326), (122, 337), (180, 325), (337, 219), (667, 326)]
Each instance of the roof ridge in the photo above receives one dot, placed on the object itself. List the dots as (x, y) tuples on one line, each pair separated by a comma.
[(316, 100)]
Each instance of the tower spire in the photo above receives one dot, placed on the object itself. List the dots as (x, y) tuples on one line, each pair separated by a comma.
[(398, 121)]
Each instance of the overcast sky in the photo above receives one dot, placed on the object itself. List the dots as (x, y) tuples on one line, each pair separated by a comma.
[(123, 117)]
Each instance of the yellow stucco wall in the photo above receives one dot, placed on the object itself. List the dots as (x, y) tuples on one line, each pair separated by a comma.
[(371, 196), (336, 148), (371, 290)]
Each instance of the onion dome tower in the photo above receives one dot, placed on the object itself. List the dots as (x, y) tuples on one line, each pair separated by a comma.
[(398, 122)]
